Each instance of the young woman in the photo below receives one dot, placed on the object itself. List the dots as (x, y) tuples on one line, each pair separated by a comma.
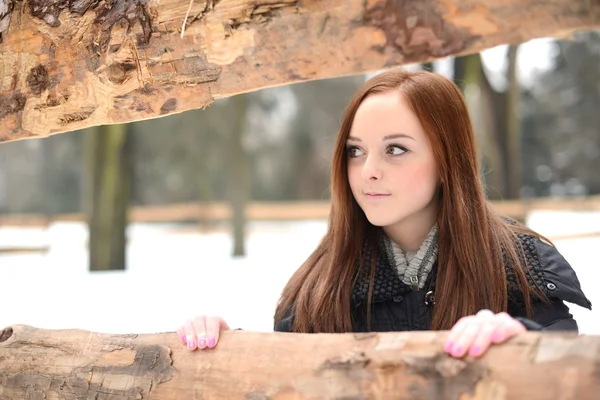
[(412, 243)]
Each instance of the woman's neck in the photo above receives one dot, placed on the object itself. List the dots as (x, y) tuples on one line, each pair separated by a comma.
[(410, 233)]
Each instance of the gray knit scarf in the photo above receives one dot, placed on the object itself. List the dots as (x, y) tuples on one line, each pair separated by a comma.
[(414, 271)]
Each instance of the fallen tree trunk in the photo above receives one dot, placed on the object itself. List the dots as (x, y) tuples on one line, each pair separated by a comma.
[(74, 364), (66, 65), (283, 211)]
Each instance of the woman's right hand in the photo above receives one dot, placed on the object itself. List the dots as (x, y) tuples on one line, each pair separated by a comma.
[(202, 332)]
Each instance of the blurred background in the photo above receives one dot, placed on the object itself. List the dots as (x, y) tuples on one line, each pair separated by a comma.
[(137, 227)]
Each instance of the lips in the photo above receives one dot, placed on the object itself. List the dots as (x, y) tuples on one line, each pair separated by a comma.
[(375, 195)]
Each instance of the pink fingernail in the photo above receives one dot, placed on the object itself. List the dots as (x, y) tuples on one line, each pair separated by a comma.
[(496, 336), (211, 342), (202, 343), (191, 344), (183, 340), (475, 350), (457, 351), (448, 346)]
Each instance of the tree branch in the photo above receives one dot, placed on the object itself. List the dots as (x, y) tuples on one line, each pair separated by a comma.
[(70, 364), (66, 65)]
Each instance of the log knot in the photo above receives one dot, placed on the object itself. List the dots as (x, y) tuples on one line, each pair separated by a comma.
[(118, 73), (416, 29), (13, 104), (118, 11), (349, 360), (444, 376), (169, 106), (38, 80), (5, 334)]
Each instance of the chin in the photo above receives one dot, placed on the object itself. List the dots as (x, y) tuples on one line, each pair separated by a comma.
[(381, 220)]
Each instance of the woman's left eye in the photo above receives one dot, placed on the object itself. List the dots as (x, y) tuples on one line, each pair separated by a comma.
[(396, 150)]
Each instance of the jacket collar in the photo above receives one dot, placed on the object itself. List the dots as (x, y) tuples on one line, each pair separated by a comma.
[(387, 285)]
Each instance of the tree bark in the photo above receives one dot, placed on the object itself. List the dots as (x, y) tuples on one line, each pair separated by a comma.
[(505, 129), (494, 106), (67, 65), (513, 125), (238, 189), (469, 70), (75, 364), (108, 196), (461, 73)]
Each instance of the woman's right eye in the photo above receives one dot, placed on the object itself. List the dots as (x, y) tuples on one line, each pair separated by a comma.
[(353, 151)]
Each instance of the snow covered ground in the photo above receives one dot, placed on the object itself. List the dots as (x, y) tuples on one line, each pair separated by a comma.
[(173, 275)]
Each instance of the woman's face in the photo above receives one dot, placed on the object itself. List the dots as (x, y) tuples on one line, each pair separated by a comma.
[(391, 168)]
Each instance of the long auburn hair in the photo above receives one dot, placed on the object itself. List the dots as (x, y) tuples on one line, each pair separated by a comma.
[(474, 243)]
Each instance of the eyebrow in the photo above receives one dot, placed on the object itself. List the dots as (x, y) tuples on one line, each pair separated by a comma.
[(387, 137)]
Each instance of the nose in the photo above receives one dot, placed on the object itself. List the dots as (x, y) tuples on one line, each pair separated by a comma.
[(371, 169)]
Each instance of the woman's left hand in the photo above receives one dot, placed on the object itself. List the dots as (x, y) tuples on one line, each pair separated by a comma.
[(474, 334)]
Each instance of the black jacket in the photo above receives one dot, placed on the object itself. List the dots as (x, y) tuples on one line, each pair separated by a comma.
[(396, 307)]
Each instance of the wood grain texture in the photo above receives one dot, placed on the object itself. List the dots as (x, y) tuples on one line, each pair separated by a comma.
[(70, 64), (75, 364)]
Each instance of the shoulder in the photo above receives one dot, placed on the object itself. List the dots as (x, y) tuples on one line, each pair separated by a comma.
[(548, 270)]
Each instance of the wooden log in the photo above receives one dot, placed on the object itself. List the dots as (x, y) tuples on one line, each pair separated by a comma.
[(24, 249), (75, 364), (283, 211), (66, 65)]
